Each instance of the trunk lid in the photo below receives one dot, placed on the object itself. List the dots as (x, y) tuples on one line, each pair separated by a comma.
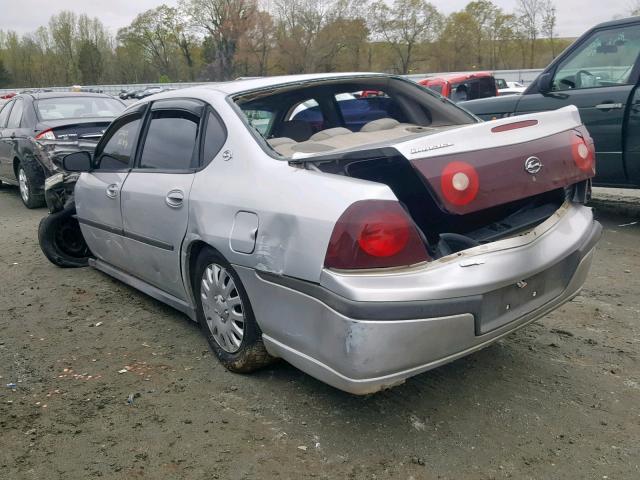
[(504, 160)]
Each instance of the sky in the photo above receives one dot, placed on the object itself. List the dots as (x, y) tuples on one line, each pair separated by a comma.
[(23, 16)]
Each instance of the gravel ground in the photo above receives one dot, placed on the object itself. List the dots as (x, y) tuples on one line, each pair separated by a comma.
[(559, 399)]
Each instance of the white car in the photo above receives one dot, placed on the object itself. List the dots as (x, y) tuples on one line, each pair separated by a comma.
[(509, 88), (364, 240)]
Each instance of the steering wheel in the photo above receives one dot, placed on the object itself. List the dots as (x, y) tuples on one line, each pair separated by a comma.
[(579, 81)]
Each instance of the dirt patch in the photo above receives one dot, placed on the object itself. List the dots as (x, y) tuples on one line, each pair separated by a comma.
[(112, 384)]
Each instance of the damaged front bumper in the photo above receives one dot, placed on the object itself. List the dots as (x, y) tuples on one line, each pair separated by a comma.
[(365, 332)]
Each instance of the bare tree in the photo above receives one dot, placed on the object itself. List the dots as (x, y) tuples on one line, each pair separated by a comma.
[(225, 22), (536, 16), (62, 28), (549, 26), (404, 25)]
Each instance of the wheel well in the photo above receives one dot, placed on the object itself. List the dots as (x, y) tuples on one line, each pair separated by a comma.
[(16, 163), (193, 250)]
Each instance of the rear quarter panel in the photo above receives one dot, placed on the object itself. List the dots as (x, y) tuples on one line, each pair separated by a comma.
[(296, 208)]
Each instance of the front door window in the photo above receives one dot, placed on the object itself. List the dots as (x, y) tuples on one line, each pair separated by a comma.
[(605, 60)]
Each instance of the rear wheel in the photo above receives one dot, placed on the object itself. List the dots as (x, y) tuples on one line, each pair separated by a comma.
[(61, 240), (225, 315), (30, 181)]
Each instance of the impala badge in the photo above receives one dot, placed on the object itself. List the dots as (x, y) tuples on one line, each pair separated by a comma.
[(532, 165)]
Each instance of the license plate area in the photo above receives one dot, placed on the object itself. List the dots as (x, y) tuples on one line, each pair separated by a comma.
[(509, 303)]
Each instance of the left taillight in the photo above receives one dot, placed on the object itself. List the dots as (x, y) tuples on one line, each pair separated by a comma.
[(374, 234), (46, 135)]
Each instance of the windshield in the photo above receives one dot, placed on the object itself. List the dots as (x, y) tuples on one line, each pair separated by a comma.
[(78, 107)]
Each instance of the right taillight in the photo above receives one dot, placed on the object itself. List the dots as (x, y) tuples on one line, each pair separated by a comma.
[(374, 234), (583, 154)]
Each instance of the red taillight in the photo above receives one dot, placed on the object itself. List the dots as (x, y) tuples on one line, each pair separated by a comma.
[(46, 135), (459, 183), (583, 154), (374, 234)]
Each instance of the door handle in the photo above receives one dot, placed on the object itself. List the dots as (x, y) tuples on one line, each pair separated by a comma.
[(174, 198), (609, 106), (112, 190)]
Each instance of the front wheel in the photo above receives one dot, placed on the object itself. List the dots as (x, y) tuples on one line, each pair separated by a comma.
[(225, 315), (61, 240)]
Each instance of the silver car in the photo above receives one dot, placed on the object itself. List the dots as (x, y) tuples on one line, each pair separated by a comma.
[(358, 226)]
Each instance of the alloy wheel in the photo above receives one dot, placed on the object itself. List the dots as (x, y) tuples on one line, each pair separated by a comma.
[(23, 182)]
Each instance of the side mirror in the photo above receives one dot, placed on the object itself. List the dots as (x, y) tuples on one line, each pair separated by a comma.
[(77, 162), (544, 82)]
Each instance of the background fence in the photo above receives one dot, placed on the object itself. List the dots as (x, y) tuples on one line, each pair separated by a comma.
[(522, 76)]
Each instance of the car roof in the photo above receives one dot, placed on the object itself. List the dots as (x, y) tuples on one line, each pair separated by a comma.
[(45, 95), (617, 22), (455, 77), (239, 86)]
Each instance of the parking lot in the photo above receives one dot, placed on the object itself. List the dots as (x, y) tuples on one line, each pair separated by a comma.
[(110, 383)]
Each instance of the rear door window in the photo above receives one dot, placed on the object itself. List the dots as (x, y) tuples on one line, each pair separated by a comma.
[(16, 114), (214, 137), (171, 141)]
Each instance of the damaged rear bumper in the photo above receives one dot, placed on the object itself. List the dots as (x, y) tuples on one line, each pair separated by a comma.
[(365, 332)]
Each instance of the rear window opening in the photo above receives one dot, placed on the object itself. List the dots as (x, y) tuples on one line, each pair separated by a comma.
[(77, 107), (334, 115)]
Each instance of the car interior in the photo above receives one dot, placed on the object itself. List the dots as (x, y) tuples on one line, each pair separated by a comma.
[(331, 115)]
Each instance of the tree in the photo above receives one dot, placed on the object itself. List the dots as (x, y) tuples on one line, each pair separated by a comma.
[(403, 26), (225, 22), (89, 63), (482, 13), (532, 17), (457, 44), (549, 26), (62, 28), (151, 31), (5, 78)]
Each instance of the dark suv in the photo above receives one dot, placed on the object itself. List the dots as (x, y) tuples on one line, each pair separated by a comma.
[(599, 74), (29, 119)]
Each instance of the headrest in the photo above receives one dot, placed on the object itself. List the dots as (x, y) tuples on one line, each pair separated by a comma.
[(296, 129), (380, 124), (330, 132)]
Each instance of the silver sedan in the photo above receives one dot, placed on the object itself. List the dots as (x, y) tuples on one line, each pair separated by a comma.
[(358, 226)]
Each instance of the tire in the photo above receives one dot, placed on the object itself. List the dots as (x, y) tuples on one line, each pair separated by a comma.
[(31, 182), (61, 240), (239, 354)]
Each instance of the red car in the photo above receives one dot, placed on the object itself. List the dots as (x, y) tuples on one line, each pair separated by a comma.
[(7, 96), (463, 86)]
